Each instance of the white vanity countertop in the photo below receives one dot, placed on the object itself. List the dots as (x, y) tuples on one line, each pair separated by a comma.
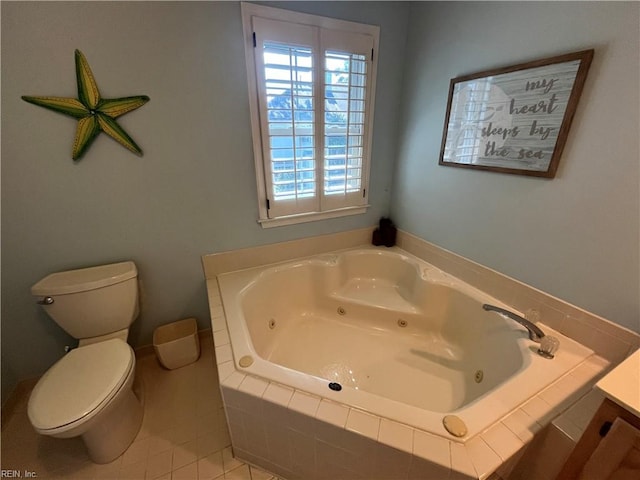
[(622, 384)]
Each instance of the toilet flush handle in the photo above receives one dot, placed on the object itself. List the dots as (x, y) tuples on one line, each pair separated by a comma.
[(45, 301)]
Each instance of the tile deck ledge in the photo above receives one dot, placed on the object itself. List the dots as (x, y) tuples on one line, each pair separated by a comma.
[(488, 450), (478, 458)]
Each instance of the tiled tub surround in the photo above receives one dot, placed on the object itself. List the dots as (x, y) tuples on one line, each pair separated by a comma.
[(300, 435), (314, 321)]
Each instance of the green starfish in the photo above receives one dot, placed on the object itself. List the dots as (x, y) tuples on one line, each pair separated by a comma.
[(94, 114)]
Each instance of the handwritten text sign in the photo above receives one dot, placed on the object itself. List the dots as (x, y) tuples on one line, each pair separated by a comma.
[(514, 120)]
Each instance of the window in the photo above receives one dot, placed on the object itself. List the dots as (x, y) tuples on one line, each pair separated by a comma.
[(311, 90)]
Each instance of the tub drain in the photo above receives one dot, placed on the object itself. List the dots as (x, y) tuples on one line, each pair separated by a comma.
[(341, 311), (335, 386), (272, 324), (479, 375), (402, 323)]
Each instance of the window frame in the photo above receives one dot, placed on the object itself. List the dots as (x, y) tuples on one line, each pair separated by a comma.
[(250, 10)]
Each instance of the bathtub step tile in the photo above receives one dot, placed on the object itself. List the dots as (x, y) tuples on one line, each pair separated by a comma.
[(484, 459), (522, 425), (253, 386), (542, 411), (304, 403), (224, 370), (223, 353), (218, 320), (432, 448), (559, 393), (363, 423), (278, 394), (588, 372), (571, 387), (302, 412), (396, 435), (502, 441), (221, 337), (213, 292), (333, 413), (215, 300), (234, 380)]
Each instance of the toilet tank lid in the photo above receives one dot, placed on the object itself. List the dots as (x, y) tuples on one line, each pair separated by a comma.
[(84, 279)]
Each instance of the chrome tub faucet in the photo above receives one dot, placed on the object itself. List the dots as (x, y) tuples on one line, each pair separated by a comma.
[(535, 333)]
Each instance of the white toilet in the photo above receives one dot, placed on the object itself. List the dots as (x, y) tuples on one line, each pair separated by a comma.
[(88, 392)]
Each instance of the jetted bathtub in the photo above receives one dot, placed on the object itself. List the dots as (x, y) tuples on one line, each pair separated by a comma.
[(385, 332)]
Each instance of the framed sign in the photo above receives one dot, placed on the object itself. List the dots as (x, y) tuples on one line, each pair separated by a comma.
[(514, 119)]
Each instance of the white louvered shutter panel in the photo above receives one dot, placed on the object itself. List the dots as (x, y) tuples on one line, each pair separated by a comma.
[(346, 89), (287, 85)]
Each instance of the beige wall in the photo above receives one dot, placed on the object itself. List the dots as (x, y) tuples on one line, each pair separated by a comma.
[(576, 236)]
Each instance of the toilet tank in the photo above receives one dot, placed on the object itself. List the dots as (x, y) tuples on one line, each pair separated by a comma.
[(93, 301)]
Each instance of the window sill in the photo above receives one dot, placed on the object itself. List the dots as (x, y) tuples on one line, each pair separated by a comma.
[(311, 217)]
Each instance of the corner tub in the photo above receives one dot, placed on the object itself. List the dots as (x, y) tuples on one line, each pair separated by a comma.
[(402, 343), (383, 332)]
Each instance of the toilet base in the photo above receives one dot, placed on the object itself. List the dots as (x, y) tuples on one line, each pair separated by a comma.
[(110, 438)]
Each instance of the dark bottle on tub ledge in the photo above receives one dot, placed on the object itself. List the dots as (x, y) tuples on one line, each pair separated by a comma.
[(385, 234)]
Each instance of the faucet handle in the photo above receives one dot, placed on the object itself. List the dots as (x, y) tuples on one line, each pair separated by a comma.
[(548, 346)]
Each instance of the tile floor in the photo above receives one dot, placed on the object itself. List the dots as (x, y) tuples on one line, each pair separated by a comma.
[(184, 435)]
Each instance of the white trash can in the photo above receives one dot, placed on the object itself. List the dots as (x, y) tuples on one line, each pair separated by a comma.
[(177, 343)]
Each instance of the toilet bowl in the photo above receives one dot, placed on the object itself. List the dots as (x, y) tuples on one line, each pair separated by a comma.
[(89, 393)]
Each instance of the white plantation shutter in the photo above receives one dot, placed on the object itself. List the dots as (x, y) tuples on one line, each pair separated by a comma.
[(284, 56), (314, 97), (347, 63)]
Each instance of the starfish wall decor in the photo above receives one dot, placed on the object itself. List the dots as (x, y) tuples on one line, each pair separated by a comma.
[(94, 114)]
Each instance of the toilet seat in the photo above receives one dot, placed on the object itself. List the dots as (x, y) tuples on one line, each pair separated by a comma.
[(75, 388)]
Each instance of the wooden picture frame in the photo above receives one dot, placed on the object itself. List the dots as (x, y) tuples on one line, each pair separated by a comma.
[(514, 119)]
